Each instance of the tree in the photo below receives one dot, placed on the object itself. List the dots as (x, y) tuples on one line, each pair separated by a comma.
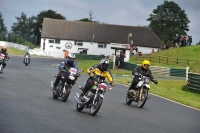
[(90, 19), (24, 25), (39, 20), (169, 22), (3, 29)]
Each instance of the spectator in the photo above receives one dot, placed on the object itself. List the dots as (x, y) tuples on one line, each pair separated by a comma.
[(121, 59), (152, 52)]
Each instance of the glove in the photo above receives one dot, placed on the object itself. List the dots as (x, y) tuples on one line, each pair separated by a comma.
[(155, 81), (91, 74), (113, 84), (78, 74)]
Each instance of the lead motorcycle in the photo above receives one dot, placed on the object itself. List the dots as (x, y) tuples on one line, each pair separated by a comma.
[(64, 87), (93, 98), (2, 60), (141, 95), (26, 60)]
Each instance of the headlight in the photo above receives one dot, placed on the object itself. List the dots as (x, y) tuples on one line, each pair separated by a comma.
[(71, 77)]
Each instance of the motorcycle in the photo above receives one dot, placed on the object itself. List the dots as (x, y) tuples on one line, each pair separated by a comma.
[(64, 87), (141, 95), (26, 60), (93, 98), (2, 59)]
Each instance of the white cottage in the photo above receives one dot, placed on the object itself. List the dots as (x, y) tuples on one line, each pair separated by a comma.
[(95, 38)]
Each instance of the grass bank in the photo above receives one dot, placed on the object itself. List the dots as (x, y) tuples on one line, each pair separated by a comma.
[(175, 90)]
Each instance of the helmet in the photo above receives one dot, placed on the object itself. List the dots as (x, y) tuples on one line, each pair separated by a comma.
[(71, 57), (4, 49), (145, 64), (104, 64)]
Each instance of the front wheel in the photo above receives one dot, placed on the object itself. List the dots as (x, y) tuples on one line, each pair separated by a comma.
[(142, 100), (55, 95), (128, 100), (79, 107), (96, 106), (66, 94)]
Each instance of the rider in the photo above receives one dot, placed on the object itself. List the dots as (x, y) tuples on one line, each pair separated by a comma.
[(28, 57), (100, 69), (141, 71), (66, 64), (4, 51)]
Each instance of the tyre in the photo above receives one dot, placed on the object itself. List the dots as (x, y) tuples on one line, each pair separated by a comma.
[(141, 101), (55, 95), (66, 95), (128, 101), (96, 106), (79, 107)]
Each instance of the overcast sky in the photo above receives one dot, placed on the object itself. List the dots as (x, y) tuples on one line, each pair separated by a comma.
[(120, 12)]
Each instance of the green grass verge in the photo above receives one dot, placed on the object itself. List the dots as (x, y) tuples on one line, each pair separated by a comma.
[(175, 90), (14, 51)]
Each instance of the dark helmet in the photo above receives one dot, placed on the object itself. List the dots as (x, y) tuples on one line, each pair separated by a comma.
[(104, 64), (4, 49)]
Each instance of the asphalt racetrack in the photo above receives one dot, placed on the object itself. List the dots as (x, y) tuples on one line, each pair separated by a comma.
[(27, 106)]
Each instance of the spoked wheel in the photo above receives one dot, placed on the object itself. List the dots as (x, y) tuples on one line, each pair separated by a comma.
[(96, 106), (128, 100), (142, 100), (66, 94), (55, 94), (79, 107)]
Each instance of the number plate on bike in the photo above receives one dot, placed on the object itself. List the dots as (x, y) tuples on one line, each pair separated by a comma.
[(73, 70)]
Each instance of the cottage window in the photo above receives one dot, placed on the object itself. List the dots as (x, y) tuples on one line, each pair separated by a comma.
[(57, 41), (51, 40), (101, 45), (79, 43)]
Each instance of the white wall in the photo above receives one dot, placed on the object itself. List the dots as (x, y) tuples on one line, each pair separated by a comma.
[(14, 45), (146, 50), (91, 46)]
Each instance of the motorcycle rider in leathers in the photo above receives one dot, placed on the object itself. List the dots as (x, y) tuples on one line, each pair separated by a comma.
[(65, 65), (29, 56), (141, 71), (4, 51), (100, 69)]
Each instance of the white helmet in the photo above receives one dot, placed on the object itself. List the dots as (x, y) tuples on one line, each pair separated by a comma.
[(71, 55), (104, 64), (105, 61)]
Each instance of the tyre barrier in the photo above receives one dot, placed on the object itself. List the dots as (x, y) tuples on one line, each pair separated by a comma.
[(193, 81)]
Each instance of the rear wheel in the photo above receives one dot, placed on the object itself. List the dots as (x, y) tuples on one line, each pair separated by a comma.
[(142, 100), (96, 106)]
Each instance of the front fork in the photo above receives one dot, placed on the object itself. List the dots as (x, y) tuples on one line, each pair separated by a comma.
[(141, 91)]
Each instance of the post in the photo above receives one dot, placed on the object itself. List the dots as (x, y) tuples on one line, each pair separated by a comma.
[(187, 71), (114, 61), (35, 41)]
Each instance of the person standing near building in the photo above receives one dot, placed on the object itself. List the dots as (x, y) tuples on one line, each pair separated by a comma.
[(121, 59)]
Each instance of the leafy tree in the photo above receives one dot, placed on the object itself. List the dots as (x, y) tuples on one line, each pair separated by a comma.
[(39, 20), (23, 25), (3, 29), (169, 21)]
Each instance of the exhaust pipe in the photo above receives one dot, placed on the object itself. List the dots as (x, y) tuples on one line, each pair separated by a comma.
[(76, 97), (52, 84)]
